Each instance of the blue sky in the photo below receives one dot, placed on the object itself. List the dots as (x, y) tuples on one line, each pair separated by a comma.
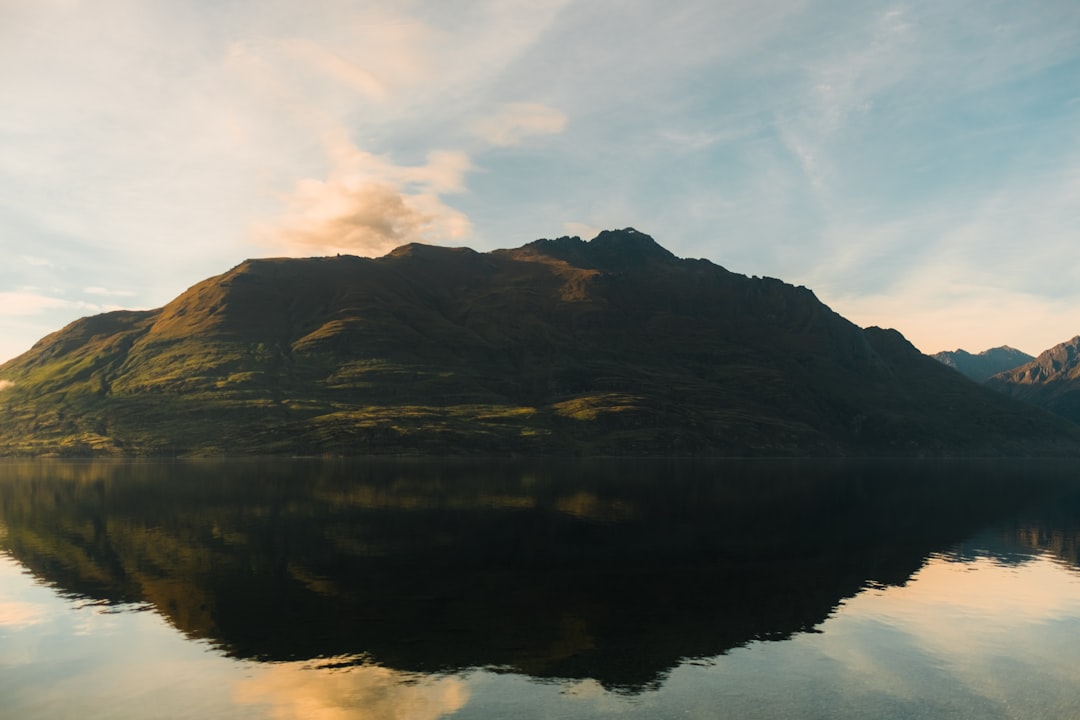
[(917, 164)]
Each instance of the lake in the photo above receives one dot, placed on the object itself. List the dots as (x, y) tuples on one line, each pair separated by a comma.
[(338, 589)]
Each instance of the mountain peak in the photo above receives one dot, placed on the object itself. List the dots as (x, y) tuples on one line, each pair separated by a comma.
[(610, 251), (1059, 362), (423, 250), (979, 367), (1051, 380), (629, 239)]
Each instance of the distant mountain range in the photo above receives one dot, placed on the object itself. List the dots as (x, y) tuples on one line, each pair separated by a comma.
[(608, 347), (986, 364), (1051, 381)]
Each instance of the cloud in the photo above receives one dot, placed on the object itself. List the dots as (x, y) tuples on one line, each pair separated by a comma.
[(939, 315), (106, 292), (841, 87), (368, 205), (581, 230), (17, 304), (516, 121), (295, 691), (36, 261), (997, 268), (330, 63)]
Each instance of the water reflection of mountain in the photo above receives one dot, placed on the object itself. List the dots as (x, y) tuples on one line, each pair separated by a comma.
[(1052, 529), (604, 570)]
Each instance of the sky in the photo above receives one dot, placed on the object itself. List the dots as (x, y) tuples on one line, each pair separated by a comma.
[(916, 164)]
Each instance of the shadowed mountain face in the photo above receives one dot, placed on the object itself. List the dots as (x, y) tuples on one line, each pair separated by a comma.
[(982, 366), (615, 571), (612, 346), (1051, 381)]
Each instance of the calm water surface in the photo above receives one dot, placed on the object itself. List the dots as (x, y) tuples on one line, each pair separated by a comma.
[(416, 589)]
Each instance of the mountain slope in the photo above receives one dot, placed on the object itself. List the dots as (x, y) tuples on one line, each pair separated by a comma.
[(612, 346), (1051, 381), (986, 364)]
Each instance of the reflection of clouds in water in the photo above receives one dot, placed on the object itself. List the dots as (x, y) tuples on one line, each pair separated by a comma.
[(15, 614), (945, 595), (971, 639), (987, 627), (584, 689), (298, 690)]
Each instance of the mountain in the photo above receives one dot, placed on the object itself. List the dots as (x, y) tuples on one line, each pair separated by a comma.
[(1051, 381), (607, 347), (986, 364)]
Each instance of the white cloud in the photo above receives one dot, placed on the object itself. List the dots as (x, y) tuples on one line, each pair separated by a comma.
[(21, 304), (368, 205), (581, 230), (16, 304), (514, 122), (94, 290), (37, 261)]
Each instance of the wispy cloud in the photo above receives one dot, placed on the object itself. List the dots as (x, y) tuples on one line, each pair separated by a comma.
[(22, 309), (843, 84), (514, 122), (95, 290), (36, 261), (354, 76), (19, 304)]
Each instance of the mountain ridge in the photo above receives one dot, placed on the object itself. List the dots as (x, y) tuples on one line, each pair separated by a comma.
[(1050, 381), (984, 365), (608, 347)]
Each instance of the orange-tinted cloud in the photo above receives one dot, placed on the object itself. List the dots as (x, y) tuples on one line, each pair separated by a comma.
[(368, 205)]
